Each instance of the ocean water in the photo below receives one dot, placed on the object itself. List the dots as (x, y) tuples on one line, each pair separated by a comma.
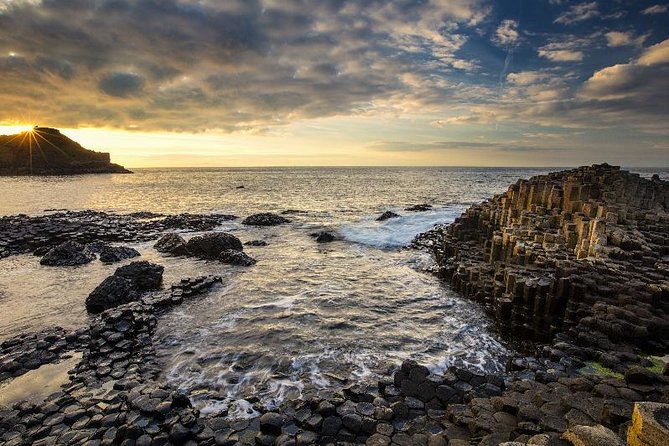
[(307, 316)]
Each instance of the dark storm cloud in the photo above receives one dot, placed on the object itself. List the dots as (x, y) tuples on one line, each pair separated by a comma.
[(252, 64), (121, 85)]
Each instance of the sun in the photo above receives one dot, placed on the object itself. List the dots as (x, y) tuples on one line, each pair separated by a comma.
[(15, 129)]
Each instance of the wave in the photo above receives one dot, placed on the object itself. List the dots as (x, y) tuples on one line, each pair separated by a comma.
[(400, 231)]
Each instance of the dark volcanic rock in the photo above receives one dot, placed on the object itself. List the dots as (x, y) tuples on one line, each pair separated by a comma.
[(67, 254), (210, 246), (234, 257), (143, 275), (265, 219), (112, 254), (419, 207), (113, 291), (172, 243), (386, 215), (255, 243), (324, 237)]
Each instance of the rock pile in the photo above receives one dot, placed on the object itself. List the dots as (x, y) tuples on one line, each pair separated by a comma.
[(25, 352), (21, 233), (220, 246)]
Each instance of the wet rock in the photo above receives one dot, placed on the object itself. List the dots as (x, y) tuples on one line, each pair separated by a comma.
[(387, 215), (323, 237), (144, 275), (113, 254), (113, 291), (271, 423), (234, 257), (211, 245), (331, 425), (419, 208), (256, 243), (67, 254), (172, 243), (265, 219)]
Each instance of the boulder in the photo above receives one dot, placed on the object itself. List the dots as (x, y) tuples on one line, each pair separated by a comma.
[(112, 254), (265, 219), (640, 375), (172, 243), (323, 237), (211, 245), (67, 254), (143, 275), (387, 215), (419, 207), (592, 436), (113, 291), (234, 257)]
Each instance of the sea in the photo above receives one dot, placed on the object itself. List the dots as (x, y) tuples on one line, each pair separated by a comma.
[(308, 317)]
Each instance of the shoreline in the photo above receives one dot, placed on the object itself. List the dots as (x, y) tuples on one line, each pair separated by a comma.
[(411, 407)]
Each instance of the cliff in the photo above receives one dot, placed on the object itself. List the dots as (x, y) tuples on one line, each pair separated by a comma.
[(583, 253), (46, 151)]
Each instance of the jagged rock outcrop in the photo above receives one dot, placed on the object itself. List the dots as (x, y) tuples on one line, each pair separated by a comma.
[(46, 151), (387, 215), (67, 254), (265, 219), (211, 245), (172, 243), (126, 285), (583, 252)]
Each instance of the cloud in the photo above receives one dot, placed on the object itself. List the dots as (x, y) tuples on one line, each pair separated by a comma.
[(557, 55), (578, 13), (201, 65), (507, 33), (121, 84), (566, 48), (656, 54), (655, 9), (526, 77), (618, 38)]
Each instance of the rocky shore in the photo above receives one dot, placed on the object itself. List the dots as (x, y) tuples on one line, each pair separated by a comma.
[(572, 266)]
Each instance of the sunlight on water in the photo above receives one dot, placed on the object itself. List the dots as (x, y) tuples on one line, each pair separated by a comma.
[(307, 316)]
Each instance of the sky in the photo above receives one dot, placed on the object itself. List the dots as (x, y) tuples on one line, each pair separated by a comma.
[(343, 82)]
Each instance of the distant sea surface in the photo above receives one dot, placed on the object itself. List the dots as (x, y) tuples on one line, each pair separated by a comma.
[(307, 316)]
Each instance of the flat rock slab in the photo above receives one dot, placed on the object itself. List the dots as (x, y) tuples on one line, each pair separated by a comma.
[(592, 436), (650, 425)]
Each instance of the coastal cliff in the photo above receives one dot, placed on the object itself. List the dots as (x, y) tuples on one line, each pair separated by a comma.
[(46, 151), (582, 252)]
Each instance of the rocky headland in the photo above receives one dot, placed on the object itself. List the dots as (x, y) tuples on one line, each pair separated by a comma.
[(572, 266), (46, 151)]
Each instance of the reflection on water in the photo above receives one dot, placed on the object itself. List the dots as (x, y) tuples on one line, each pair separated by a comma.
[(37, 384)]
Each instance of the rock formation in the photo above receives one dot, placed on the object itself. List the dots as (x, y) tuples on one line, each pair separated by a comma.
[(581, 252), (265, 219), (46, 151)]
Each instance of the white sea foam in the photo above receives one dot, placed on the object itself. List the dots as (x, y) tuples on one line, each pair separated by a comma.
[(399, 231)]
